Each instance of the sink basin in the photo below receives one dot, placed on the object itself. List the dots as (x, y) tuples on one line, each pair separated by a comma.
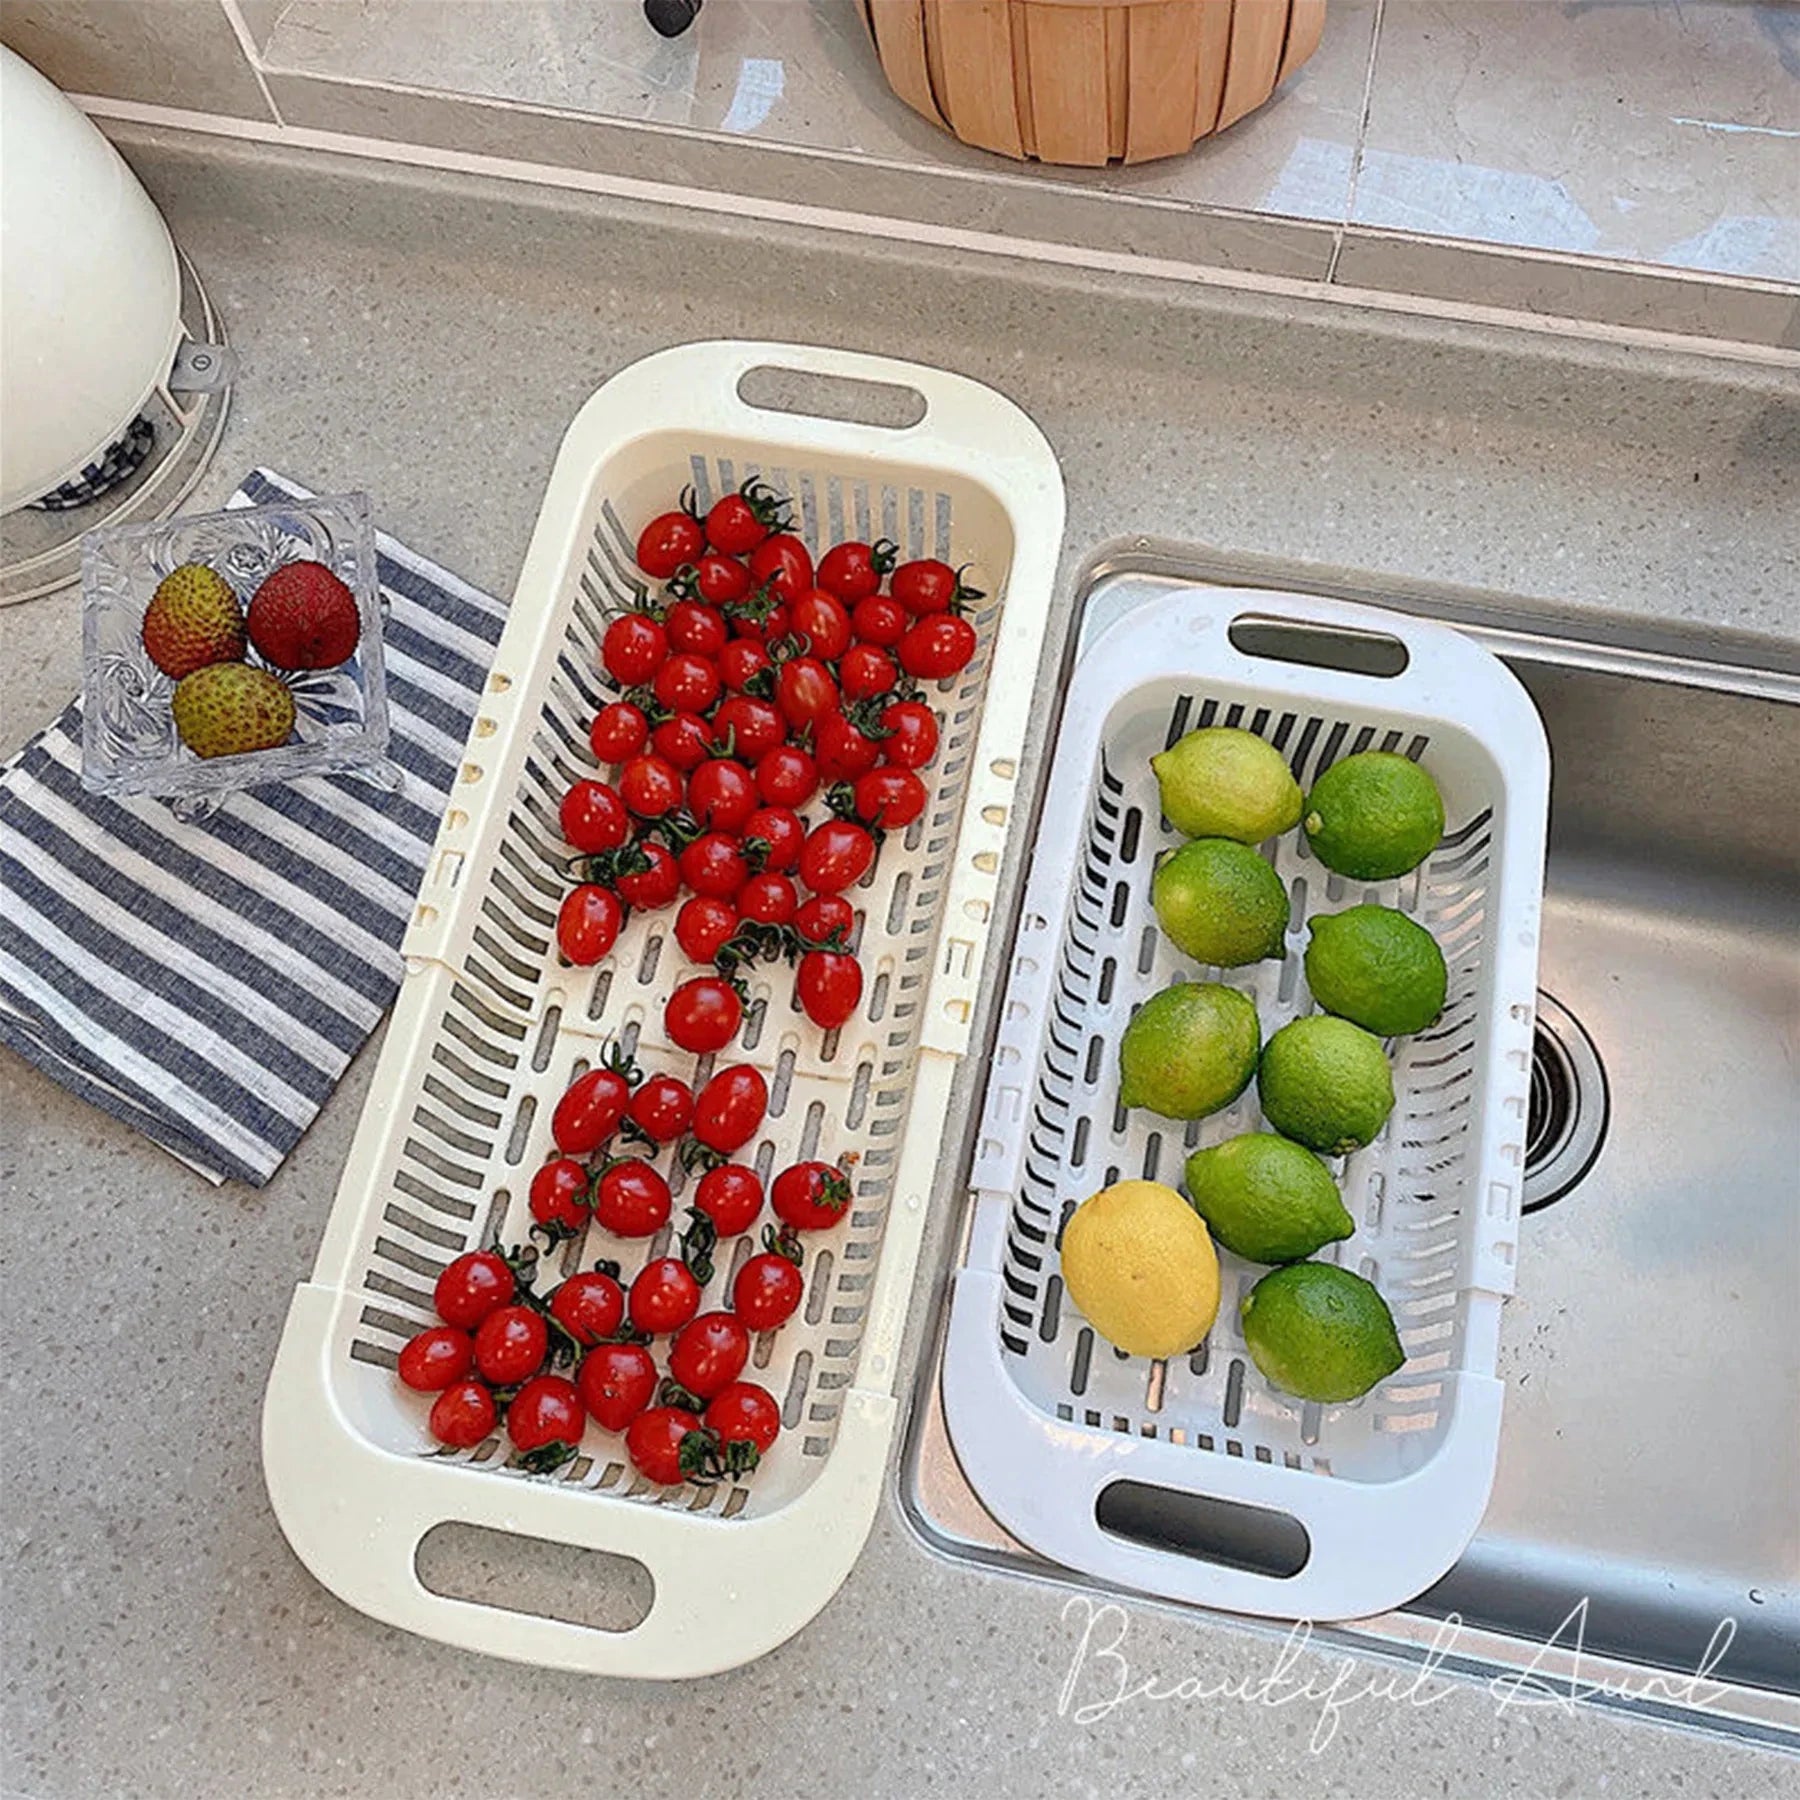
[(1645, 1518)]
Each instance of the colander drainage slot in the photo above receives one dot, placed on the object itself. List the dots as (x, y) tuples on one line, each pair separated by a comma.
[(1566, 1124)]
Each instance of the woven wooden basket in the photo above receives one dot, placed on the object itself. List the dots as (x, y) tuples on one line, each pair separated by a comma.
[(1063, 81)]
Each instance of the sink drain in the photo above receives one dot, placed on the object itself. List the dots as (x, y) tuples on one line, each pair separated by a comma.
[(1567, 1121)]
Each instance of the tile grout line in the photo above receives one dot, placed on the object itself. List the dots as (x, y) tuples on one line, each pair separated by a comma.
[(1038, 251), (252, 54), (1339, 237)]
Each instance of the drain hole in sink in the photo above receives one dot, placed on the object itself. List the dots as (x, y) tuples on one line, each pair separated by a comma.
[(1567, 1122)]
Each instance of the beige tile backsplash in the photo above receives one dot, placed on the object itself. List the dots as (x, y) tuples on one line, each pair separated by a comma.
[(166, 52)]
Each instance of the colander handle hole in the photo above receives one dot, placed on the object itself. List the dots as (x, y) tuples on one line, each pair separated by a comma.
[(884, 404), (1258, 1539), (535, 1576), (1344, 647)]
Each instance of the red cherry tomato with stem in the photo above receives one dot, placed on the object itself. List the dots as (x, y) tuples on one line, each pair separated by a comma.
[(589, 1306), (866, 671), (829, 984), (836, 855), (684, 741), (805, 691), (746, 1415), (510, 1345), (663, 1108), (651, 786), (545, 1422), (731, 1195), (929, 586), (728, 1111), (889, 799), (560, 1194), (687, 683), (811, 1196), (853, 570), (738, 522), (782, 564), (787, 776), (664, 1296), (780, 832), (591, 1110), (938, 646), (768, 899), (823, 621), (709, 1353), (912, 730), (704, 926), (747, 728), (769, 1287), (721, 795), (697, 628), (742, 661), (654, 1440), (631, 1199), (713, 864), (842, 751), (880, 620), (826, 921)]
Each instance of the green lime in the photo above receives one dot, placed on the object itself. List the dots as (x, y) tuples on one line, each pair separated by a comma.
[(1220, 903), (1320, 1333), (1326, 1084), (1376, 968), (1222, 782), (1190, 1050), (1266, 1198), (1374, 815)]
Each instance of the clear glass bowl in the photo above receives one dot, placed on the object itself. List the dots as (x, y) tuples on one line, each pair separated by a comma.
[(129, 744)]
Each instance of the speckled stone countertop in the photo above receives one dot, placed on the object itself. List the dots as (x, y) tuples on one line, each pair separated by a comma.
[(427, 338)]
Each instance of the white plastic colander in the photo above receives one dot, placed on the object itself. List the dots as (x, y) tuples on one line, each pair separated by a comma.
[(490, 1028), (1076, 1448)]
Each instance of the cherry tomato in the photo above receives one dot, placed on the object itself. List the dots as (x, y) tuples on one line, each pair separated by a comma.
[(880, 620), (718, 580), (653, 1441), (768, 899), (663, 1108), (728, 1111), (787, 776), (721, 794), (560, 1192), (650, 786), (842, 751), (631, 1199), (462, 1416), (687, 683), (739, 522), (805, 691), (587, 923), (836, 855), (436, 1359), (653, 882), (697, 628), (780, 833), (740, 662), (593, 817), (781, 564), (633, 649), (747, 728), (912, 730), (664, 1296), (510, 1345), (703, 1015), (889, 798), (761, 616), (619, 730), (744, 1413), (683, 740), (731, 1195), (823, 621), (930, 586), (825, 922), (709, 1353), (938, 646), (477, 1283), (769, 1286), (704, 926), (714, 865), (668, 541), (616, 1382), (853, 570), (830, 985), (546, 1414), (589, 1306), (590, 1111), (811, 1196), (866, 671)]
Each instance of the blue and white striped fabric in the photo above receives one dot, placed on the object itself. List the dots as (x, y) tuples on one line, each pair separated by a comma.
[(209, 982)]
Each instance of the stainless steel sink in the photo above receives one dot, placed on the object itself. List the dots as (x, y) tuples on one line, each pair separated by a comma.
[(1648, 1490)]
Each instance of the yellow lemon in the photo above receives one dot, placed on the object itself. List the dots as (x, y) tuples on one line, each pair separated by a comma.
[(1139, 1263)]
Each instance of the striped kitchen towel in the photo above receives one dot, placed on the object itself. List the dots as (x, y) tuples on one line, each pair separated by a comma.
[(208, 982)]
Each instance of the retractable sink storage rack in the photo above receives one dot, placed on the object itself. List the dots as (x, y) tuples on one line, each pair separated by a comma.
[(490, 1028), (1117, 1466)]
